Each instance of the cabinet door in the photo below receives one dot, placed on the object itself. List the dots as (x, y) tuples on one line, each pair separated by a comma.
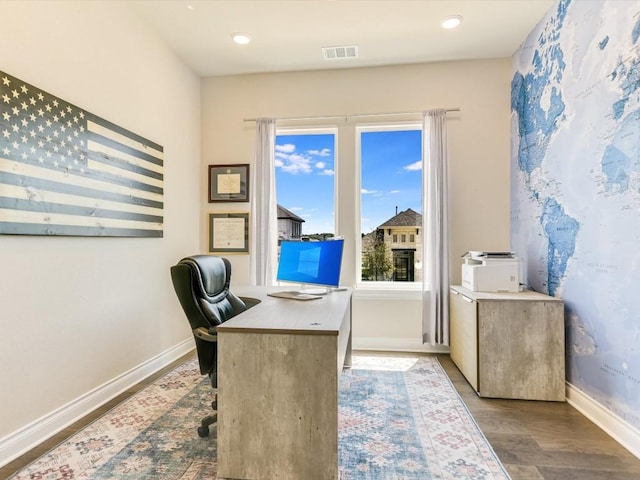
[(521, 350), (464, 336)]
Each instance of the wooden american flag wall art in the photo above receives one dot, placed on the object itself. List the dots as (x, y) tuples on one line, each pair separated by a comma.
[(65, 171)]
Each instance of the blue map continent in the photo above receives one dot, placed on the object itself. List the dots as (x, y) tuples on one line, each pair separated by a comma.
[(635, 33), (603, 43), (628, 76), (561, 231), (536, 125), (618, 159)]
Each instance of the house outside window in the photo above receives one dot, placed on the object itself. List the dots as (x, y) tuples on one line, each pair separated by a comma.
[(289, 225)]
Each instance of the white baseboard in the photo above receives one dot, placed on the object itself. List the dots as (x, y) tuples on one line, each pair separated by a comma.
[(396, 345), (625, 434), (25, 438)]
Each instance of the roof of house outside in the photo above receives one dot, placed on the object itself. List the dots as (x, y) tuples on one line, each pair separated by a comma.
[(408, 218), (283, 213)]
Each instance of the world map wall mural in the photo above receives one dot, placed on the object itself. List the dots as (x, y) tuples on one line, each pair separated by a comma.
[(65, 171), (575, 187)]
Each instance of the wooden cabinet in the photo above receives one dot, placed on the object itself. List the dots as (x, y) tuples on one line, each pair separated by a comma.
[(509, 345)]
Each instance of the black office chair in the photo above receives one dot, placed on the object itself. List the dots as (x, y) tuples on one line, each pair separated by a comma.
[(202, 285)]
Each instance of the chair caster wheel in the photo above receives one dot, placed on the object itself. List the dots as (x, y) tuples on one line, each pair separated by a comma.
[(203, 432)]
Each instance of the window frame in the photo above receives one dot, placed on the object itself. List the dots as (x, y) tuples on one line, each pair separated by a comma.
[(318, 130), (376, 288)]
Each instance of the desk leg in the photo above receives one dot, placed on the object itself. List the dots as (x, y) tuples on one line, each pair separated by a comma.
[(347, 357), (344, 340)]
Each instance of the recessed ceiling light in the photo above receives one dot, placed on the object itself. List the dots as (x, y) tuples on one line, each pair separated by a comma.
[(241, 38), (451, 22), (190, 7)]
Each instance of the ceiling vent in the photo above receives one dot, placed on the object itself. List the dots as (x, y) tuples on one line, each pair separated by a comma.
[(340, 53)]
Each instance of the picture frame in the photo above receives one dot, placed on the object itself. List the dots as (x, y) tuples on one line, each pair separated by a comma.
[(229, 183), (229, 232)]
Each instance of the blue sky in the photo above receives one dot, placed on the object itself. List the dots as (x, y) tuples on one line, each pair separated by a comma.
[(305, 174), (392, 176)]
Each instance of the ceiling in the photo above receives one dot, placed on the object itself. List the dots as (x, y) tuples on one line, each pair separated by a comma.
[(288, 35)]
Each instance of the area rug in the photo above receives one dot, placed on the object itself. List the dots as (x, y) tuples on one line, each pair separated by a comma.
[(400, 418)]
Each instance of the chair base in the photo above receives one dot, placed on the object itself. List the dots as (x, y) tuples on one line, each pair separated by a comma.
[(203, 429)]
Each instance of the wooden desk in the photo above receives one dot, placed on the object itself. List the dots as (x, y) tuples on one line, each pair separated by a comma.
[(278, 370)]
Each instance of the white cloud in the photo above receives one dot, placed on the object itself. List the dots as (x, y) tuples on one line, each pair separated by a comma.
[(416, 166), (393, 192), (286, 148), (296, 164), (325, 152), (364, 191), (291, 162)]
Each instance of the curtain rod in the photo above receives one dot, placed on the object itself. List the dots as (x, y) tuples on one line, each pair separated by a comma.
[(346, 117)]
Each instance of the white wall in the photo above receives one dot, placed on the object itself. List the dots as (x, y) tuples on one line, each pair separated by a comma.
[(78, 312), (479, 151)]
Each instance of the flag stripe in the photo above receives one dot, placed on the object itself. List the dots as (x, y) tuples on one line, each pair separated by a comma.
[(101, 174), (65, 171), (16, 228), (84, 186), (22, 216), (135, 164), (42, 196), (105, 140), (51, 207), (126, 135), (109, 167)]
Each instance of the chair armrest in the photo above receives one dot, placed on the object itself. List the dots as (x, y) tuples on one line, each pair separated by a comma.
[(204, 334), (250, 302)]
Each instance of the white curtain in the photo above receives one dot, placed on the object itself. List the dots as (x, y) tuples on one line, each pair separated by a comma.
[(435, 311), (264, 231)]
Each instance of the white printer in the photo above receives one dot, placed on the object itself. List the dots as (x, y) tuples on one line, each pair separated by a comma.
[(490, 272)]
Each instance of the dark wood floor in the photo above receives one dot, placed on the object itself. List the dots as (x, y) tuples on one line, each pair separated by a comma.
[(534, 440), (545, 440)]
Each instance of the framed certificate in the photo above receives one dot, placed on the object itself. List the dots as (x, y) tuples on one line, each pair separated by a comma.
[(229, 232), (229, 183)]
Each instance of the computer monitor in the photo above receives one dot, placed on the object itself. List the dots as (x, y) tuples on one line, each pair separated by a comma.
[(311, 263)]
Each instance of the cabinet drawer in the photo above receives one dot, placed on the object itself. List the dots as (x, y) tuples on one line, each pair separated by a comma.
[(464, 336)]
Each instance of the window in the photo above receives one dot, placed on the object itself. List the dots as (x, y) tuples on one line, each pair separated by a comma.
[(390, 160), (304, 177)]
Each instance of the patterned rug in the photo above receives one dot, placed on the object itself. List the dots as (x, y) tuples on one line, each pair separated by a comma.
[(400, 419)]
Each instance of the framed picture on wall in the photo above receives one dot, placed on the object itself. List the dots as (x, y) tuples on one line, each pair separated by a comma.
[(229, 183), (229, 232)]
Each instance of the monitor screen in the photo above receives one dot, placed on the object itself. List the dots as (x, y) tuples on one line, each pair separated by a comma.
[(313, 263)]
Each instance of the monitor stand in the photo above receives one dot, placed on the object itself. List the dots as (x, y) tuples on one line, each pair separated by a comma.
[(314, 290)]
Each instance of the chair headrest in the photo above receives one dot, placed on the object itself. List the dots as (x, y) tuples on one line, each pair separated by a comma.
[(211, 274)]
